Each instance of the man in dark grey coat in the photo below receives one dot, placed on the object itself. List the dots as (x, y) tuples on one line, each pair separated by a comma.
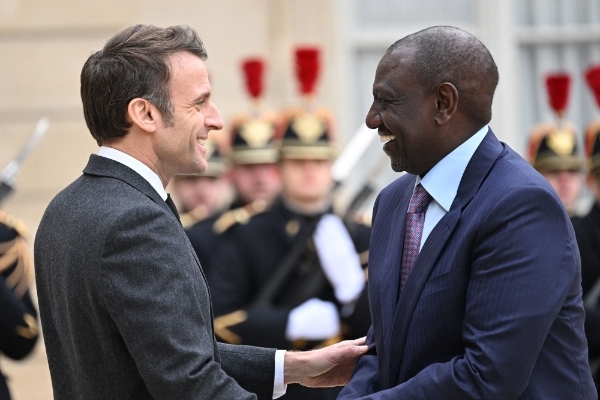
[(124, 304)]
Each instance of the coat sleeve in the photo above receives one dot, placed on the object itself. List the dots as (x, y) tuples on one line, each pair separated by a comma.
[(156, 296), (525, 268), (250, 367)]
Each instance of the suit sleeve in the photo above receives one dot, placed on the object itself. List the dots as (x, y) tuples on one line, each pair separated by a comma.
[(156, 299), (365, 378), (250, 367), (233, 288), (524, 269)]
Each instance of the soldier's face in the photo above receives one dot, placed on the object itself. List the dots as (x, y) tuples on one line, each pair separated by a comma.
[(306, 180), (199, 191), (567, 185), (256, 182), (593, 181)]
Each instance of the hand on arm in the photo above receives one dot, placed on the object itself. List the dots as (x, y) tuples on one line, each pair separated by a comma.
[(329, 366)]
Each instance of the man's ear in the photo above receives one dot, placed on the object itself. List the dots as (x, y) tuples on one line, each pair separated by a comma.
[(143, 114), (446, 98)]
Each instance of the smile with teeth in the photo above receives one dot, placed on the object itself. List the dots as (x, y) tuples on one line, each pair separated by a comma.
[(201, 141), (386, 138)]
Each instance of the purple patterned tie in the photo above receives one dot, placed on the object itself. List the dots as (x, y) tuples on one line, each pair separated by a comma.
[(415, 219)]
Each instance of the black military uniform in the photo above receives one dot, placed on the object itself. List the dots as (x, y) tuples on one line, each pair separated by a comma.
[(249, 256), (259, 281), (587, 231), (18, 323)]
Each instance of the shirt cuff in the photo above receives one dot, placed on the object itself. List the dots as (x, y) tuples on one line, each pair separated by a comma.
[(279, 388)]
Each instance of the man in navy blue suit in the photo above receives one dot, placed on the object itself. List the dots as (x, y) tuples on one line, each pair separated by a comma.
[(474, 272)]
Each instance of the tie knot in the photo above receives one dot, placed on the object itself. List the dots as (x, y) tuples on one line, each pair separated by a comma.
[(419, 200)]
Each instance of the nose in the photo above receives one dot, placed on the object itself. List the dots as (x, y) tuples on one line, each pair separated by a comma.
[(373, 119), (213, 118)]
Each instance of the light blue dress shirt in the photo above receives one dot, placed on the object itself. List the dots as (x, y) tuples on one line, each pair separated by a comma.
[(442, 181)]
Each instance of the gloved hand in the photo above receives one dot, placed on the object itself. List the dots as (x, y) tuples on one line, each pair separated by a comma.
[(339, 259), (314, 319)]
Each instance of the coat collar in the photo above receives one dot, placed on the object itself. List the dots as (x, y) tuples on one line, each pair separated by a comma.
[(102, 166)]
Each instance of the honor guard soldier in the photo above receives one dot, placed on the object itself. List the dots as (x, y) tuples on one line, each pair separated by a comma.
[(294, 276), (254, 153), (18, 317), (553, 149), (587, 230)]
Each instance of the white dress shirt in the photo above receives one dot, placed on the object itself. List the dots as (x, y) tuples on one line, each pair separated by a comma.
[(279, 388), (442, 181)]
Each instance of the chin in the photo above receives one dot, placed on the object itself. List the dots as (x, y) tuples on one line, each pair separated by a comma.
[(398, 166)]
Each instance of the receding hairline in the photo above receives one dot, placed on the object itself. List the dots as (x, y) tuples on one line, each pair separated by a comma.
[(449, 54)]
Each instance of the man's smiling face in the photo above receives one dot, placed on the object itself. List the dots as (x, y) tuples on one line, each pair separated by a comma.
[(403, 114)]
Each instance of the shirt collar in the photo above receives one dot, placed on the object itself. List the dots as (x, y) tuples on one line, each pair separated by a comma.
[(136, 165), (442, 181)]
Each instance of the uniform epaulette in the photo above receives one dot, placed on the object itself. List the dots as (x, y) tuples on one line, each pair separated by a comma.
[(224, 322), (15, 224), (239, 215), (16, 264), (194, 216)]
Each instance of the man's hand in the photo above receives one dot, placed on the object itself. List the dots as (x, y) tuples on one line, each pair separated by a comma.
[(330, 366)]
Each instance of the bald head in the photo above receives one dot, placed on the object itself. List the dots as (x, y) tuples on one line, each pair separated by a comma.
[(448, 54)]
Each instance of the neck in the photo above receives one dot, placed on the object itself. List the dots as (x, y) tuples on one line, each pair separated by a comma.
[(307, 208)]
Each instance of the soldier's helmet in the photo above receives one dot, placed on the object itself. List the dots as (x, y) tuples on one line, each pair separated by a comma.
[(253, 133), (553, 145), (307, 132), (592, 133)]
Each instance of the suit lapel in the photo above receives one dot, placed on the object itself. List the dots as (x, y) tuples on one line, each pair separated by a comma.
[(414, 286), (479, 166)]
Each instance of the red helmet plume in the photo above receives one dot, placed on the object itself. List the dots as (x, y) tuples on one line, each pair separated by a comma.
[(253, 71), (558, 86), (592, 77), (307, 68)]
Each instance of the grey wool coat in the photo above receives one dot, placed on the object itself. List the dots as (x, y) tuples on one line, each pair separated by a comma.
[(124, 304)]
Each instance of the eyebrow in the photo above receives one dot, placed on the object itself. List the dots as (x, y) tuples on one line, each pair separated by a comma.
[(380, 90), (202, 97)]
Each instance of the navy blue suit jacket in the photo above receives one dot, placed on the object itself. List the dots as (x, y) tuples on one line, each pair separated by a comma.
[(492, 308)]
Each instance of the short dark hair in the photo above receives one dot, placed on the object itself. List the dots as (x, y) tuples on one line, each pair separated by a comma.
[(449, 54), (133, 63)]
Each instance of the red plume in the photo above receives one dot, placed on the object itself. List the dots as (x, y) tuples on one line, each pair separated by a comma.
[(253, 70), (558, 91), (592, 77), (307, 68)]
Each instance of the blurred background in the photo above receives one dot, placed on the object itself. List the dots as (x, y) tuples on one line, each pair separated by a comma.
[(43, 45)]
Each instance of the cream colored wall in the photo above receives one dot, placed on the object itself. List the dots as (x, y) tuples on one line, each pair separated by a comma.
[(43, 45)]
